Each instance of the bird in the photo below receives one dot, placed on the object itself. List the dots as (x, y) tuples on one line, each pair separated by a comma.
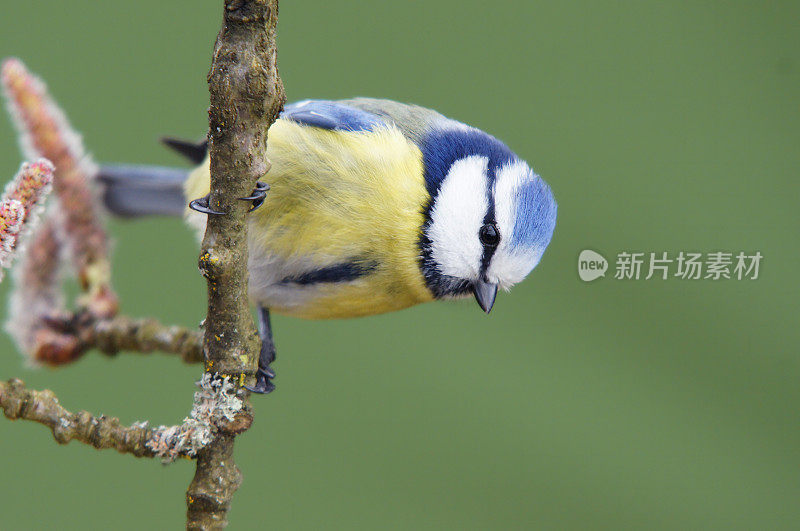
[(372, 206)]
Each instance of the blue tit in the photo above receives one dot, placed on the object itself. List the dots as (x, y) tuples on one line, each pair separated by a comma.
[(374, 206)]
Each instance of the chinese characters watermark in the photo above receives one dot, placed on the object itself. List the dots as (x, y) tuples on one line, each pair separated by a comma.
[(629, 265)]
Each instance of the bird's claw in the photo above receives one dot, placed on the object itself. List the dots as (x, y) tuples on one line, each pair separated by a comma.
[(264, 383), (257, 196), (201, 205)]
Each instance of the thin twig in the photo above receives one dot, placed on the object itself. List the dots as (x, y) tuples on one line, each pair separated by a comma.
[(18, 402), (216, 412), (144, 336), (63, 338)]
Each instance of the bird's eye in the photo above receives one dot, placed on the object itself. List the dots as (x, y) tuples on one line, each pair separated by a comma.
[(489, 235)]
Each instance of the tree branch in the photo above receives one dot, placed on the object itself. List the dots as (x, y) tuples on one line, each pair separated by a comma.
[(246, 97), (145, 336), (18, 402), (64, 338), (217, 412)]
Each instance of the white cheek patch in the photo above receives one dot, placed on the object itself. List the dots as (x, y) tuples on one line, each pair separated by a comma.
[(508, 269), (511, 263), (457, 216)]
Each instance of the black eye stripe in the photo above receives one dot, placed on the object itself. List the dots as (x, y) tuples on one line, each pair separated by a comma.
[(488, 234)]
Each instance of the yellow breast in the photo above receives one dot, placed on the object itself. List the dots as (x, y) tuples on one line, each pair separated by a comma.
[(336, 197)]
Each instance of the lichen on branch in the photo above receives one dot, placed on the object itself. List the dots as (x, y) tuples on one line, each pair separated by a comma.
[(217, 408)]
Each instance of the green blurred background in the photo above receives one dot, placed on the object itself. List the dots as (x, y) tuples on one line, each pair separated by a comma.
[(610, 405)]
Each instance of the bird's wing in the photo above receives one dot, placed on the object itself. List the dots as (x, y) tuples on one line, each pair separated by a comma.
[(332, 115), (364, 114), (414, 121)]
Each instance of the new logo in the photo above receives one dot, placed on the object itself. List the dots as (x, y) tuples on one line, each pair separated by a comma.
[(591, 265)]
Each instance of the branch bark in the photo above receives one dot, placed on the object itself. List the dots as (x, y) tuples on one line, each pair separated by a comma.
[(246, 97)]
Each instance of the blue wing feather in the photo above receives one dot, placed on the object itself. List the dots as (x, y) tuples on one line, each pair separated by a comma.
[(331, 115)]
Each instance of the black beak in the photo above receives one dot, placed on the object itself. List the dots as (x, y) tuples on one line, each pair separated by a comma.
[(485, 293)]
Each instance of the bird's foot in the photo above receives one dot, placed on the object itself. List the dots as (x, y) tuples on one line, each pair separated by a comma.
[(201, 205), (265, 374), (266, 356), (257, 196), (264, 383)]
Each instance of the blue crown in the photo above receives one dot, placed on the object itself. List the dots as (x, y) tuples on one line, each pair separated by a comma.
[(535, 215), (442, 147)]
